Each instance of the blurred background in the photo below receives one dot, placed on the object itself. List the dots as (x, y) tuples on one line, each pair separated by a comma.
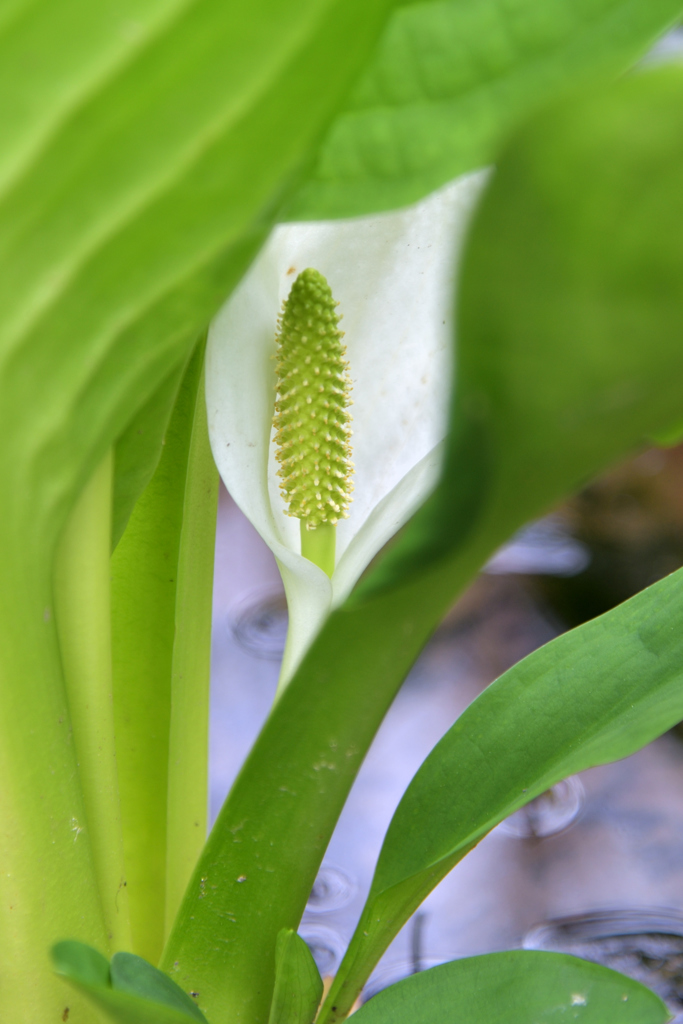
[(594, 867)]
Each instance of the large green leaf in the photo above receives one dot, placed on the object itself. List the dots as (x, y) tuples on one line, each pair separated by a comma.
[(452, 78), (144, 149), (593, 695), (516, 988), (569, 356)]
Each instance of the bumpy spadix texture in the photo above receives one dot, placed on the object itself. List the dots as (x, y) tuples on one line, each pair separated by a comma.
[(311, 415)]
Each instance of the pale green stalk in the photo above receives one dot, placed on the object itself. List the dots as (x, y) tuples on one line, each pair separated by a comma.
[(83, 614), (143, 603), (189, 732), (319, 545), (48, 887), (144, 589)]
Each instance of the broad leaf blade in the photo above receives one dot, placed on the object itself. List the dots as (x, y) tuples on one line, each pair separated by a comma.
[(144, 150), (298, 985), (130, 991), (449, 82), (136, 212), (516, 988), (593, 695)]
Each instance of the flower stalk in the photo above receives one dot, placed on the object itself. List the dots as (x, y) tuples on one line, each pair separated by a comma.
[(319, 545)]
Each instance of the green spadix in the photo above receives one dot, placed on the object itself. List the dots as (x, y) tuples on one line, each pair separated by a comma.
[(311, 417)]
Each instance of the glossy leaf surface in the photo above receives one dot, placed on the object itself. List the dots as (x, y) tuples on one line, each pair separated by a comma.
[(516, 988), (569, 357), (593, 695), (450, 81)]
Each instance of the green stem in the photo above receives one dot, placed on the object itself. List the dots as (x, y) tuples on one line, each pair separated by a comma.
[(189, 732), (319, 545), (145, 587), (48, 888), (83, 614)]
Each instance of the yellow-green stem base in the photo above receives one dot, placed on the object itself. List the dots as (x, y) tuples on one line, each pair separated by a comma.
[(319, 545)]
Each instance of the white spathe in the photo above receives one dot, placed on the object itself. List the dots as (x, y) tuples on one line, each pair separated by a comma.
[(393, 275)]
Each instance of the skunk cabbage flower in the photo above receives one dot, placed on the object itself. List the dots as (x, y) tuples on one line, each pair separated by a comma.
[(392, 276)]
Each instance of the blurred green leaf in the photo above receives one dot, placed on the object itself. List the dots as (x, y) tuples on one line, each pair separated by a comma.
[(593, 695), (145, 147), (569, 356), (76, 961), (570, 318), (516, 988), (449, 82), (130, 991), (298, 985), (669, 438)]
